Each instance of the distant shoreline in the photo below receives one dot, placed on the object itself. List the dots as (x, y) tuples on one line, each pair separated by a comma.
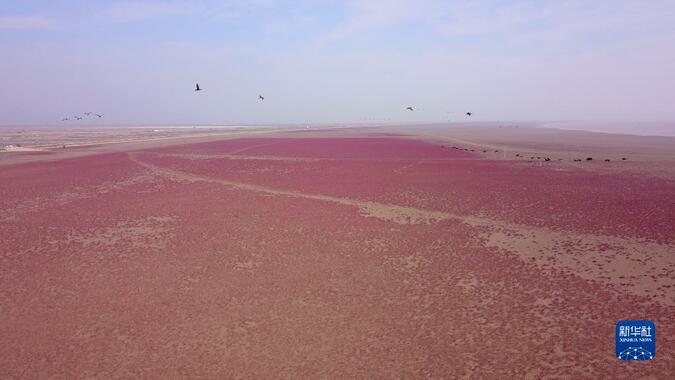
[(649, 128), (632, 128)]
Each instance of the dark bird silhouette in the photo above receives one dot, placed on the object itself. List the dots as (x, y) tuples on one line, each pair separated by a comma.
[(99, 116), (88, 113), (469, 113), (197, 87), (78, 117), (261, 97), (65, 119), (410, 108)]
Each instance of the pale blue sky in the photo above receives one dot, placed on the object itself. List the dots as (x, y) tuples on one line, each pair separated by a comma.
[(336, 61)]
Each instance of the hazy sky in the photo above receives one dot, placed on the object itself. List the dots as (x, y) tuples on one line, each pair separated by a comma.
[(336, 61)]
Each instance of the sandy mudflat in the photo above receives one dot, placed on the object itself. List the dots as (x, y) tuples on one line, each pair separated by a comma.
[(56, 143), (364, 252)]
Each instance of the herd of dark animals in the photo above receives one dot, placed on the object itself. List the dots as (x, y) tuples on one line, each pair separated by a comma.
[(533, 157), (409, 108)]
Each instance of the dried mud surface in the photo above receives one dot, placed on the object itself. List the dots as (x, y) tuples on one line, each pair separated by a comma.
[(371, 257)]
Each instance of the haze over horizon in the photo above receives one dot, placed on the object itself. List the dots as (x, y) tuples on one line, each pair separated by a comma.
[(336, 61)]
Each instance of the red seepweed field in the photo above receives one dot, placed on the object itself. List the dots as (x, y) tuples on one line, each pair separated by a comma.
[(339, 257)]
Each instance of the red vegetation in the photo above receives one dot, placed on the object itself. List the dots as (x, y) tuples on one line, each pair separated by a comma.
[(154, 265)]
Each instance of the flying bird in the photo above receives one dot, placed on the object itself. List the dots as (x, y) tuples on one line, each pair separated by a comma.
[(65, 119), (469, 113), (99, 116), (88, 113), (261, 97), (410, 108), (197, 87), (78, 117)]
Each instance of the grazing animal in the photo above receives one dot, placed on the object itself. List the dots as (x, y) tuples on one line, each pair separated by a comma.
[(607, 160), (547, 159), (197, 87), (589, 159), (409, 108), (623, 158)]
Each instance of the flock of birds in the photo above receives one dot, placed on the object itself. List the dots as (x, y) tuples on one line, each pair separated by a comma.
[(409, 108), (86, 114), (413, 109), (197, 88), (261, 98)]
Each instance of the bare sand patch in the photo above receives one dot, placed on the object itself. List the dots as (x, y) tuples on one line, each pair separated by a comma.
[(626, 264), (12, 148), (400, 214), (147, 233)]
